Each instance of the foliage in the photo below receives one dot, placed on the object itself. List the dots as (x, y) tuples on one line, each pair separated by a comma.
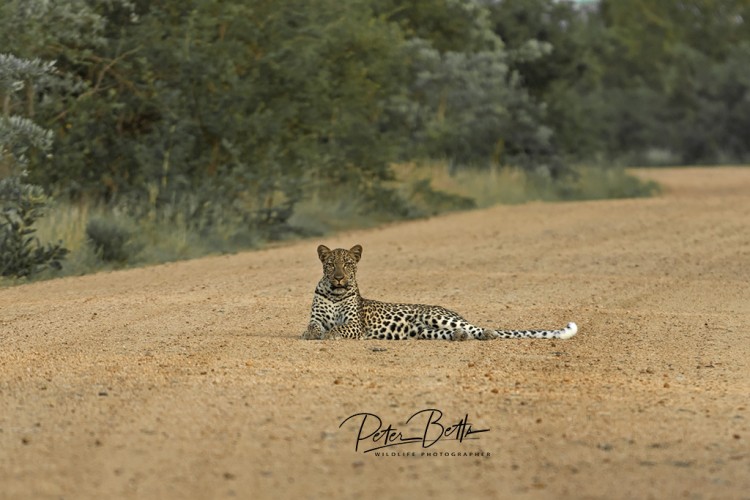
[(417, 190), (112, 240), (627, 78), (257, 101), (21, 253), (473, 109), (260, 101), (224, 118), (561, 76), (481, 187)]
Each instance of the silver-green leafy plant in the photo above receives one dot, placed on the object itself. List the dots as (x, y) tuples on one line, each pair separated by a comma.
[(21, 204)]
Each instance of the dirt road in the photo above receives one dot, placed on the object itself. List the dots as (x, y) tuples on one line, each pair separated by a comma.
[(188, 380)]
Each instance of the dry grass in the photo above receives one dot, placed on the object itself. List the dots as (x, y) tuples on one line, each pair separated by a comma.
[(486, 187), (420, 189), (495, 185)]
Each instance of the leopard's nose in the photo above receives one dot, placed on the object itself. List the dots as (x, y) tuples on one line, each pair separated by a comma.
[(338, 276)]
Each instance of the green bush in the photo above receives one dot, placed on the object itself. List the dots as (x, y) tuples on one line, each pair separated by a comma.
[(21, 253), (112, 240), (21, 204)]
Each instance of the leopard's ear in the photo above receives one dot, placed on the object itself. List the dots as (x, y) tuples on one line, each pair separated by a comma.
[(356, 251), (323, 252)]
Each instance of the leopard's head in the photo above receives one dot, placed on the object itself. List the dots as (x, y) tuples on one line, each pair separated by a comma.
[(340, 266)]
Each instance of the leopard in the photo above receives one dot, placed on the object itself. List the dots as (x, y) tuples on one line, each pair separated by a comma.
[(340, 311)]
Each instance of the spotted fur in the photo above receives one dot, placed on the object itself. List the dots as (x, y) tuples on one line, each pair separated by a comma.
[(338, 310)]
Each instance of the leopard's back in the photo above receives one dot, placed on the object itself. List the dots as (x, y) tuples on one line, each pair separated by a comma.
[(394, 321)]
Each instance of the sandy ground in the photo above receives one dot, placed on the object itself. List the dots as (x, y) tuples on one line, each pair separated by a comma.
[(188, 380)]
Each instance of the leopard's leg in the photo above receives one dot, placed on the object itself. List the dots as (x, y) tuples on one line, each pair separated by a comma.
[(443, 324)]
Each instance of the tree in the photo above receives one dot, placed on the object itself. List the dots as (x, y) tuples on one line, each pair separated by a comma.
[(564, 74), (473, 109), (466, 100), (258, 103), (680, 63)]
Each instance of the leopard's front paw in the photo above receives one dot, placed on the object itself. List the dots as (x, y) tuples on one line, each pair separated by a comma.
[(313, 332)]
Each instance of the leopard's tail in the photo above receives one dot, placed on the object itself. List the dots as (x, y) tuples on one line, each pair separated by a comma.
[(565, 333)]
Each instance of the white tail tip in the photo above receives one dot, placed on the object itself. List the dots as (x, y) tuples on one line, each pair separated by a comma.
[(569, 331)]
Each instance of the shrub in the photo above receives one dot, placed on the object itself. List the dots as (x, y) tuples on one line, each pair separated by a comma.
[(21, 203), (113, 241), (21, 253)]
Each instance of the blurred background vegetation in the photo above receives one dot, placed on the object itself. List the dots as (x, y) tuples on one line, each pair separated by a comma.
[(135, 131)]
